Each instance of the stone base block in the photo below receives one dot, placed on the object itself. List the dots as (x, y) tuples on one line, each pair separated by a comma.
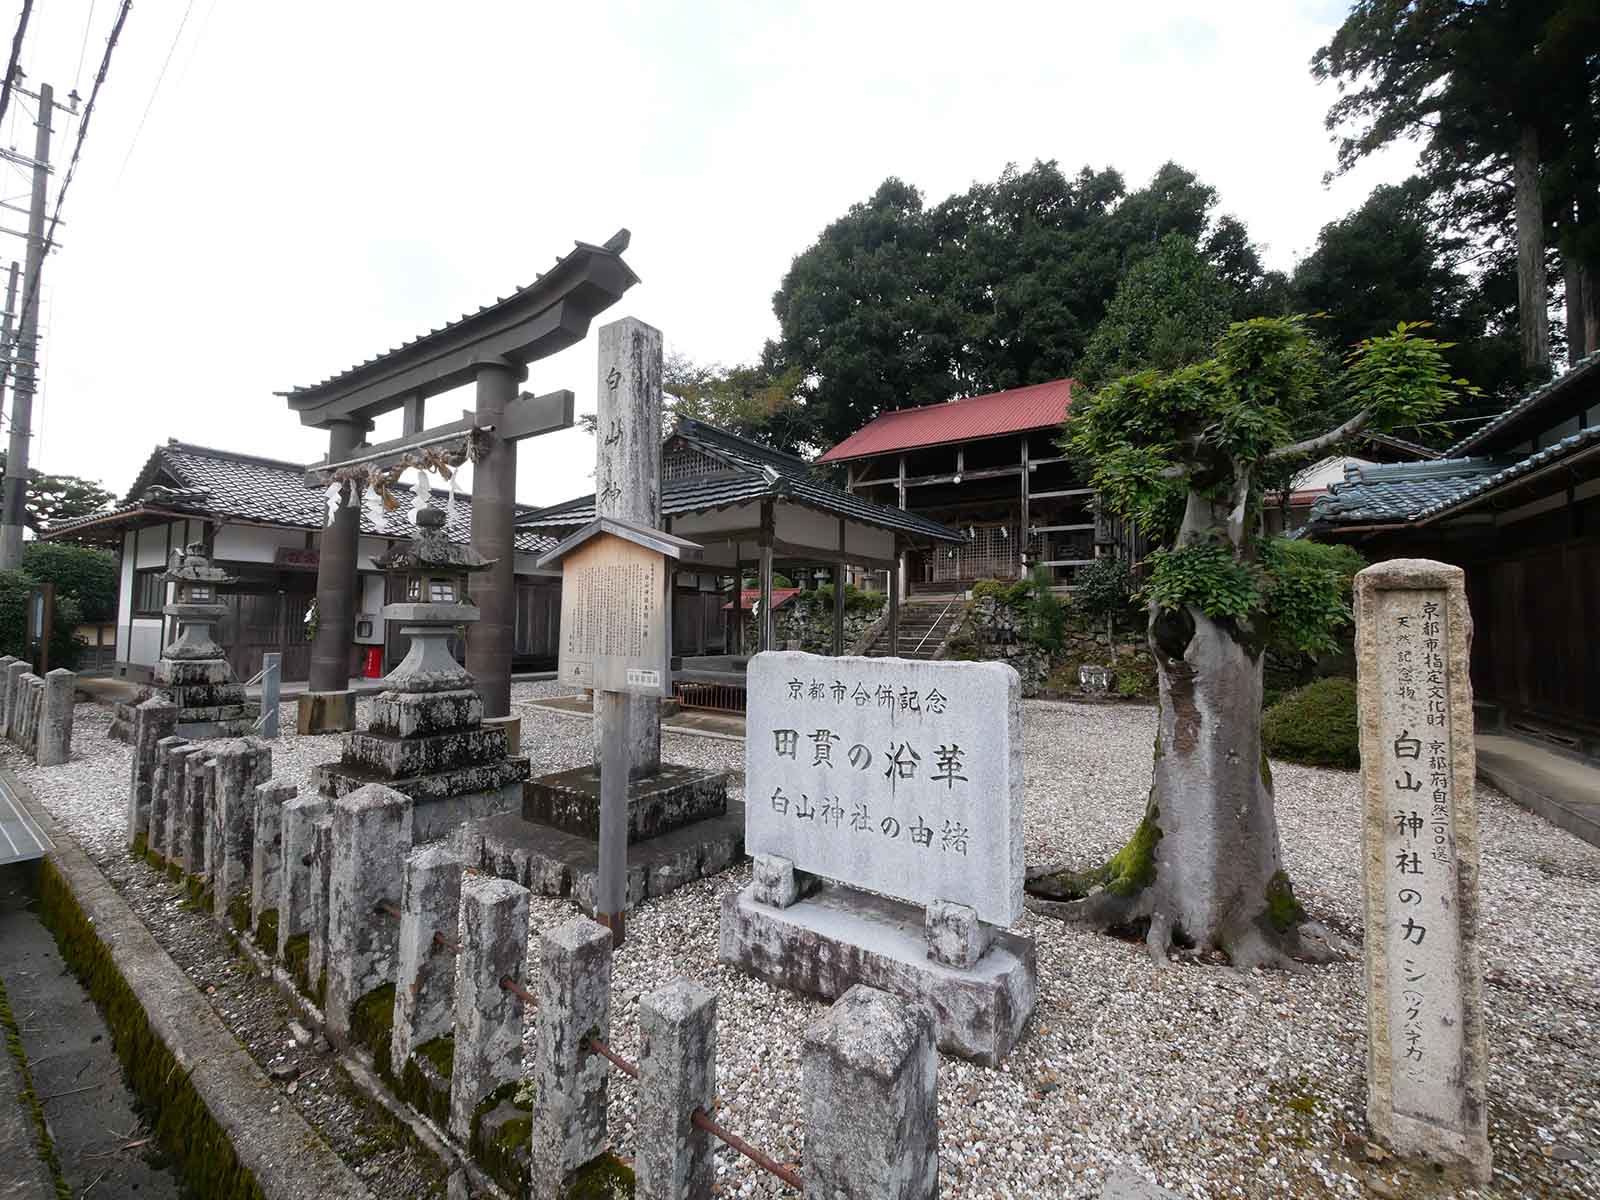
[(338, 779), (840, 937), (433, 816), (392, 758), (200, 731), (325, 712), (420, 714), (192, 672), (551, 862), (672, 798), (513, 731)]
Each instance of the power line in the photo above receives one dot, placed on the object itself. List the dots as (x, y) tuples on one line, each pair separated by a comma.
[(16, 53), (77, 75), (149, 104)]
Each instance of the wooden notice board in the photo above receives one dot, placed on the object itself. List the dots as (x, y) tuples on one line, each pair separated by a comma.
[(615, 617)]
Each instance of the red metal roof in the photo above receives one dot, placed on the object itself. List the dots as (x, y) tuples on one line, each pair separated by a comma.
[(1038, 406), (749, 596)]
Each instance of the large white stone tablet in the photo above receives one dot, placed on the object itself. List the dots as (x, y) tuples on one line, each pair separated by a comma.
[(896, 775), (1426, 1060)]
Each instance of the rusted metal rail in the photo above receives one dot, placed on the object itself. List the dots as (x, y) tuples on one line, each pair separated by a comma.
[(702, 1120), (709, 697), (508, 984), (439, 939)]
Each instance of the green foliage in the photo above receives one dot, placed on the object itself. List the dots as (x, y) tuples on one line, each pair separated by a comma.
[(1129, 871), (1136, 678), (898, 304), (752, 583), (747, 400), (855, 600), (1167, 312), (372, 1026), (1207, 577), (1306, 596), (65, 647), (52, 499), (1011, 592), (1283, 910), (85, 572), (1105, 590), (1047, 616), (1315, 725)]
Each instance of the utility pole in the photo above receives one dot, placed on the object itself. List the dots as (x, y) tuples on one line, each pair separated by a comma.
[(5, 333), (14, 498)]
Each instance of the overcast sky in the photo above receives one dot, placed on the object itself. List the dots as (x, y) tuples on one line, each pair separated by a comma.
[(313, 183)]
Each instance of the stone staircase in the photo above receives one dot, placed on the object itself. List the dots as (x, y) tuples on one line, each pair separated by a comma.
[(924, 626)]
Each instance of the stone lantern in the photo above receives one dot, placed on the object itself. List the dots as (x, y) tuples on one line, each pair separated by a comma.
[(433, 572), (197, 605)]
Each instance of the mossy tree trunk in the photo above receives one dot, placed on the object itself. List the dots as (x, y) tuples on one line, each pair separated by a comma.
[(1205, 867)]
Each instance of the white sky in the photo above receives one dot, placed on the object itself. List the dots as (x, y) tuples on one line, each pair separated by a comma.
[(316, 182)]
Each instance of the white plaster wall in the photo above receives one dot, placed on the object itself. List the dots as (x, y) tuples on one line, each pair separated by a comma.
[(146, 648), (253, 544), (125, 598), (1329, 470), (153, 544)]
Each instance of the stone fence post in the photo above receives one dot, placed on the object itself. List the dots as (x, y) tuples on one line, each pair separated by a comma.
[(14, 671), (242, 765), (677, 1074), (174, 832), (569, 1120), (317, 909), (424, 994), (193, 829), (266, 856), (300, 816), (871, 1087), (54, 742), (371, 838), (494, 944), (153, 721), (5, 688), (28, 712), (161, 792)]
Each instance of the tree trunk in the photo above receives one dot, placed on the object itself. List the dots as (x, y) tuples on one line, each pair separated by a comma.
[(1205, 866), (1217, 862), (1533, 302)]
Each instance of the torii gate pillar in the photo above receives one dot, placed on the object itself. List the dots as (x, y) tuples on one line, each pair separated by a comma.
[(494, 486), (328, 705)]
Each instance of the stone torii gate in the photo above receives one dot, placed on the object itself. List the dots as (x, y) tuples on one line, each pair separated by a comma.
[(491, 349)]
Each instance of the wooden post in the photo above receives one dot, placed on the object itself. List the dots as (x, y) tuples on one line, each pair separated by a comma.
[(1022, 549), (894, 600), (611, 890), (838, 596), (766, 624)]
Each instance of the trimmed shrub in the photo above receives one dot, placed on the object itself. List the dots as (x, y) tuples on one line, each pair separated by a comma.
[(1315, 725), (82, 571), (64, 646)]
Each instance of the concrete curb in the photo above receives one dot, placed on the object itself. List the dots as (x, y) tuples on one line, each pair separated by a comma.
[(1574, 820), (284, 1154)]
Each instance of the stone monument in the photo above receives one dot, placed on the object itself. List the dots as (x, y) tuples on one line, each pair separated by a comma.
[(193, 672), (1426, 1051), (680, 825), (426, 738), (884, 811)]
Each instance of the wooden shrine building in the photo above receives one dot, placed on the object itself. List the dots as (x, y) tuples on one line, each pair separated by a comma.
[(989, 467)]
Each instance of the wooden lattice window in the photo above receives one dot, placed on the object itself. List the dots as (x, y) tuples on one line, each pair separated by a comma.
[(684, 463)]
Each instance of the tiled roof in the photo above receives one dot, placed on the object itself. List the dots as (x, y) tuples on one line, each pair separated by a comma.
[(1039, 406), (1405, 492), (1584, 368), (754, 472), (1390, 492), (242, 487)]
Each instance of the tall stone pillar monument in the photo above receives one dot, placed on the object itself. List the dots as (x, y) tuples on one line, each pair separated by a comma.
[(1426, 1051), (628, 486)]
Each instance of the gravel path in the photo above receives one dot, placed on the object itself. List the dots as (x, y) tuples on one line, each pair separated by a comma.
[(1213, 1084)]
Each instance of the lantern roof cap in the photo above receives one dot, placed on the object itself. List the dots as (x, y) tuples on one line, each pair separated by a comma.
[(431, 550), (190, 565)]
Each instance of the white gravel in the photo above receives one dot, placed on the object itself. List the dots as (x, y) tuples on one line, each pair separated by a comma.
[(1212, 1084)]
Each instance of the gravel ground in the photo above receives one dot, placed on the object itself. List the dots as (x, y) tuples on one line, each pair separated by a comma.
[(1211, 1083)]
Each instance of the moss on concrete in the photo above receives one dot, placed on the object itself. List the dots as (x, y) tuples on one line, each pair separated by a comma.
[(297, 958), (372, 1027), (30, 1099), (1283, 910), (182, 1125), (504, 1154), (425, 1079), (239, 912), (603, 1178), (267, 930)]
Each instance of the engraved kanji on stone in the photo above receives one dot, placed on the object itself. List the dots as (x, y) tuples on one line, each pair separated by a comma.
[(953, 837), (1408, 863), (890, 827), (948, 769), (935, 701), (832, 811), (839, 691), (861, 696), (903, 762), (910, 700), (822, 743), (859, 818), (921, 832), (817, 690), (1406, 746), (785, 742), (780, 802), (1407, 824), (804, 810), (796, 688), (884, 696), (1411, 927), (860, 757)]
